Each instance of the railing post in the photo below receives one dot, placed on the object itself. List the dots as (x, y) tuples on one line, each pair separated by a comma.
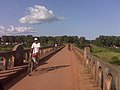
[(19, 54), (87, 50)]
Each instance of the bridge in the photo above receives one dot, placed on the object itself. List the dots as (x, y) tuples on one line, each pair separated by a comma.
[(59, 69)]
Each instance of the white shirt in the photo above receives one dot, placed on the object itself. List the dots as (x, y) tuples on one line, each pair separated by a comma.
[(35, 47), (55, 45)]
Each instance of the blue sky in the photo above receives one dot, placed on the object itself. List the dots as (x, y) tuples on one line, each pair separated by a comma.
[(89, 18)]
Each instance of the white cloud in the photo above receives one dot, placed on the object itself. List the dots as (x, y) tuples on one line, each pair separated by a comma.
[(2, 30), (2, 27), (16, 30), (39, 14)]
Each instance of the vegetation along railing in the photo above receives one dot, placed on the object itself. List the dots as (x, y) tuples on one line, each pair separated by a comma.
[(106, 76)]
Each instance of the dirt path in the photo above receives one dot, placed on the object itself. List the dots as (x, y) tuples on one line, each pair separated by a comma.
[(60, 72)]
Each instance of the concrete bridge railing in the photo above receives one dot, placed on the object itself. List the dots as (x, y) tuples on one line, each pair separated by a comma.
[(106, 76), (18, 56)]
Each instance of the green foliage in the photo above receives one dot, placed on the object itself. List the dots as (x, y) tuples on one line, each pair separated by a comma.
[(107, 41), (117, 50), (115, 60), (51, 42), (4, 48), (82, 42), (44, 40), (112, 55)]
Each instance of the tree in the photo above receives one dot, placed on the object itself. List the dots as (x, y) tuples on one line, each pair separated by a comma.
[(11, 39), (5, 39)]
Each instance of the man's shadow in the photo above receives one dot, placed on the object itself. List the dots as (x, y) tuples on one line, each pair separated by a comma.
[(48, 69)]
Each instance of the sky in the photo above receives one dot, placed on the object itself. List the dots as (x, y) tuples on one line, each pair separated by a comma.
[(88, 18)]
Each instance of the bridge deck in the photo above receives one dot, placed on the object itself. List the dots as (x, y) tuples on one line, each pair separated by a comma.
[(60, 72)]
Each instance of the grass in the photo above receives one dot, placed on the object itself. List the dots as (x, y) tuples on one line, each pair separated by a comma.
[(4, 48), (112, 55)]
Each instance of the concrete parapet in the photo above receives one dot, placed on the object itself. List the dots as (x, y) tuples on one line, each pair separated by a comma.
[(18, 56), (106, 76)]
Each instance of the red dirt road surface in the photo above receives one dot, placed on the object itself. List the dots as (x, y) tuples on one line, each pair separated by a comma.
[(61, 72)]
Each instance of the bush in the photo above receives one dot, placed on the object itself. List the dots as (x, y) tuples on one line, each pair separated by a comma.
[(7, 49), (117, 50), (115, 60)]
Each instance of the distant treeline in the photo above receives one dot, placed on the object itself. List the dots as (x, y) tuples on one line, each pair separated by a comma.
[(107, 41), (104, 41), (45, 40)]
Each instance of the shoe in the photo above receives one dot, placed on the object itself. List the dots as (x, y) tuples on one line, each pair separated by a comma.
[(30, 74), (36, 69)]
